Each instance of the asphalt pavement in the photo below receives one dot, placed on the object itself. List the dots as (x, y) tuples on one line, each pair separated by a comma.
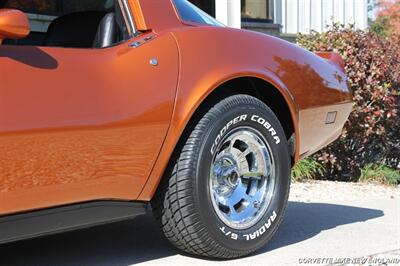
[(330, 230)]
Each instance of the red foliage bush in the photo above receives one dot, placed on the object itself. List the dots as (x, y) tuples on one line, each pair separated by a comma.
[(372, 133)]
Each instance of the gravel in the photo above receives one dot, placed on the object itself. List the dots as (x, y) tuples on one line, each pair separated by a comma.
[(312, 191)]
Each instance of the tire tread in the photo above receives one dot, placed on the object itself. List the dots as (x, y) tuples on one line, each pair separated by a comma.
[(174, 203)]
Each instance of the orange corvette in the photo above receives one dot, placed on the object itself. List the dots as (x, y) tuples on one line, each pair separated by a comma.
[(110, 106)]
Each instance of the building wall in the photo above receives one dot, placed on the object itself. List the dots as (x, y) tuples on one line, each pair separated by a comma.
[(290, 16), (306, 15)]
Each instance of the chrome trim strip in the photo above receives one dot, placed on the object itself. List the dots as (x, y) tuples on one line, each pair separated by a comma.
[(128, 12)]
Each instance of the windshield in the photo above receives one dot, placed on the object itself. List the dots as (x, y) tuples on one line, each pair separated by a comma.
[(189, 12)]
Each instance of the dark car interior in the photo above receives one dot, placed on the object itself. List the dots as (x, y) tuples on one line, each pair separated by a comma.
[(71, 23)]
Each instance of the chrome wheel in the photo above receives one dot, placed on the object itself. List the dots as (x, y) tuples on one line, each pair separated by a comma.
[(242, 178), (227, 184)]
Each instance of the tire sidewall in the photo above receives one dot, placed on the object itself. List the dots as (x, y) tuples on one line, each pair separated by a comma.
[(264, 121)]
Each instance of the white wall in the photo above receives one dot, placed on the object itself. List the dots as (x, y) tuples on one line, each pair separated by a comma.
[(228, 12), (40, 23), (306, 15)]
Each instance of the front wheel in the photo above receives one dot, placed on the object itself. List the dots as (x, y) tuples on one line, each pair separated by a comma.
[(225, 193)]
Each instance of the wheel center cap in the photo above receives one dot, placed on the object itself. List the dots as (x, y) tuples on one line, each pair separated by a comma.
[(232, 178), (227, 175)]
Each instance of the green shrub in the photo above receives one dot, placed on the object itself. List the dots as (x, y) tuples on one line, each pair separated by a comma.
[(381, 174), (372, 133), (307, 169), (381, 26)]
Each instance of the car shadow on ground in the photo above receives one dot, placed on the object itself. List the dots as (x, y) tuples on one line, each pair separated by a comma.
[(306, 220), (141, 240)]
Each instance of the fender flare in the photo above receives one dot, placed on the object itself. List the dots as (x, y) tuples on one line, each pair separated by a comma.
[(186, 104)]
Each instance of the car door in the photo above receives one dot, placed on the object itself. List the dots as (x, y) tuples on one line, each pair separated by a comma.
[(82, 124)]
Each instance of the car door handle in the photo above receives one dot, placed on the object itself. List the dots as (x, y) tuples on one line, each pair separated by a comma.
[(142, 41)]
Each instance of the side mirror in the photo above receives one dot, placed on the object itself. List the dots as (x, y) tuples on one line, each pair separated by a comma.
[(14, 24)]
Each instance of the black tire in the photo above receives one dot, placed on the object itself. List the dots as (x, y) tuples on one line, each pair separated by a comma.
[(183, 202)]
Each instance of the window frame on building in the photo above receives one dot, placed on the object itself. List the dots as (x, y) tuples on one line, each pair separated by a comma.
[(269, 13)]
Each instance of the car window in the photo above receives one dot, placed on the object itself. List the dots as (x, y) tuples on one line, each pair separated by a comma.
[(189, 12), (55, 7), (37, 6), (72, 23), (42, 12), (78, 5)]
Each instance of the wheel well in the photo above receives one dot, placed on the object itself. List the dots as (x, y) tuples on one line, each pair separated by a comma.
[(258, 88), (255, 87)]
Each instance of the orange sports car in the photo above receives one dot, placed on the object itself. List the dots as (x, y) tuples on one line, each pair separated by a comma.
[(110, 106)]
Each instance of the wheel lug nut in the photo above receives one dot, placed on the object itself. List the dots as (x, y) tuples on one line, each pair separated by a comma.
[(256, 204)]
